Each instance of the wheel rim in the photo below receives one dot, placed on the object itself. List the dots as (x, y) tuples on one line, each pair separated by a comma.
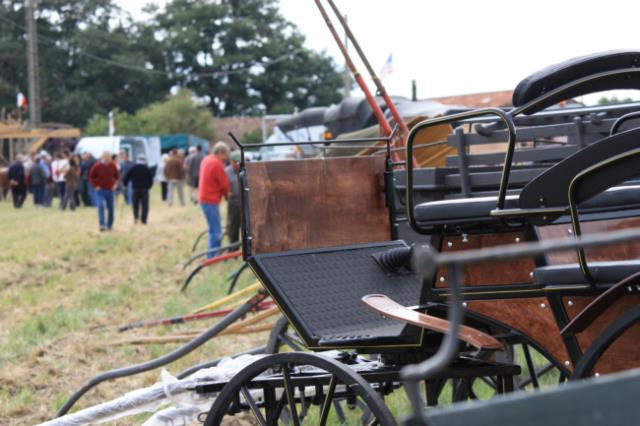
[(338, 375)]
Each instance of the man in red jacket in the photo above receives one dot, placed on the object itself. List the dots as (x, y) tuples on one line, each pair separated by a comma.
[(104, 177), (213, 185)]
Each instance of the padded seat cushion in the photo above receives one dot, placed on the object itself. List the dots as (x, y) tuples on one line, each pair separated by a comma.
[(460, 210), (473, 211), (602, 272)]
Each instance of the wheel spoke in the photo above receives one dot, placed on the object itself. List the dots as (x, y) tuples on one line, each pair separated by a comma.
[(303, 403), (340, 412), (539, 373), (367, 416), (326, 405), (273, 420), (490, 381), (289, 390), (530, 366), (468, 384), (253, 405)]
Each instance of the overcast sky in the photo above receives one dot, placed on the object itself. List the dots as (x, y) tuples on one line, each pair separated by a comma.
[(458, 47)]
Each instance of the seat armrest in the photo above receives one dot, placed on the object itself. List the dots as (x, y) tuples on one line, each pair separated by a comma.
[(599, 305), (392, 309)]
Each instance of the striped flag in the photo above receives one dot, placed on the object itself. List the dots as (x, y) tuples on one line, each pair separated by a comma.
[(21, 101), (387, 68)]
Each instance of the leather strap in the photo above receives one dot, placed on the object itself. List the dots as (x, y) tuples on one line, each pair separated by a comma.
[(392, 309)]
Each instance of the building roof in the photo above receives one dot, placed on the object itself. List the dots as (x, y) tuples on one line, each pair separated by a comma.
[(497, 99)]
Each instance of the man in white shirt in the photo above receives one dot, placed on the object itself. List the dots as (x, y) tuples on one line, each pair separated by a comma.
[(59, 167)]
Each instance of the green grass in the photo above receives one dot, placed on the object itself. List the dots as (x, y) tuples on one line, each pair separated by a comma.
[(64, 285)]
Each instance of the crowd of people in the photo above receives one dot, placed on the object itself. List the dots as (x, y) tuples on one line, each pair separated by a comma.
[(84, 180), (46, 177)]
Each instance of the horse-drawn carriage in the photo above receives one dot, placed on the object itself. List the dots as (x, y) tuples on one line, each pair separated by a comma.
[(458, 276), (322, 237)]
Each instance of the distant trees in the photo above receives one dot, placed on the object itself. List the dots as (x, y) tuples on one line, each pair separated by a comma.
[(79, 40), (179, 113), (201, 37), (613, 100), (239, 56)]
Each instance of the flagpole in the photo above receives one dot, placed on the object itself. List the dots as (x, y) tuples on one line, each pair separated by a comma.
[(404, 130)]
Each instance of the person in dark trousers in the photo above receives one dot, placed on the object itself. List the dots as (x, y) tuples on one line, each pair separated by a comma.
[(87, 191), (18, 182), (125, 165), (192, 162), (38, 180), (234, 211), (49, 185), (140, 177), (104, 177), (72, 179)]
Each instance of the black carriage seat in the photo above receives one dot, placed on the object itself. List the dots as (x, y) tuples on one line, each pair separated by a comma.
[(549, 189), (557, 75), (570, 274), (320, 292), (473, 212)]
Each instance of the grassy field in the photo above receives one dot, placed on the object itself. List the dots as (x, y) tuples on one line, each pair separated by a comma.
[(62, 281), (64, 285)]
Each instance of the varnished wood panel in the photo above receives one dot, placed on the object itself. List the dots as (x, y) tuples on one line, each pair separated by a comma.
[(515, 271), (624, 354), (529, 317), (316, 203), (624, 251), (426, 156)]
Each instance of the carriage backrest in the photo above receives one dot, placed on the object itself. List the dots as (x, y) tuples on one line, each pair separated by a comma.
[(577, 72), (550, 189), (300, 204)]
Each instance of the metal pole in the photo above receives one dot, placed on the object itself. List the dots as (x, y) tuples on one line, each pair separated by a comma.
[(404, 130), (346, 77), (35, 117), (377, 111)]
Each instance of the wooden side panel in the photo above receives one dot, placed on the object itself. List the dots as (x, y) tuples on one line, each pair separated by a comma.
[(624, 354), (426, 156), (432, 156), (623, 251), (317, 203), (531, 316), (515, 271)]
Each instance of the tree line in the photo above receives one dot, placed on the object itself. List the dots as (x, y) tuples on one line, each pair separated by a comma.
[(237, 57)]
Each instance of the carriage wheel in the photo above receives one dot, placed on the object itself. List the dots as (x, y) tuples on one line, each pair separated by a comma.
[(587, 362), (284, 338), (272, 403)]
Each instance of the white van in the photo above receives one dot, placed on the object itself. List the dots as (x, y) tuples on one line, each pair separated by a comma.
[(149, 146)]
